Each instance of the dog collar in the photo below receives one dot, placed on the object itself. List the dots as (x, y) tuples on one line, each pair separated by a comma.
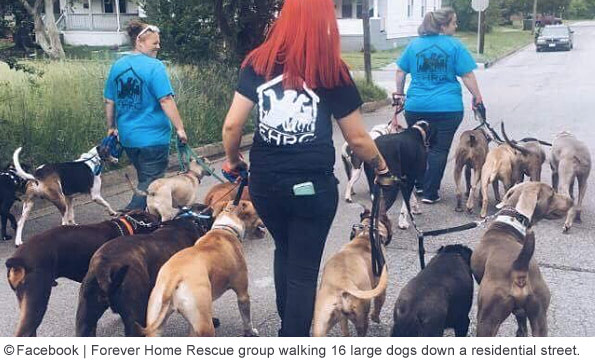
[(121, 224), (225, 222), (514, 222), (14, 177)]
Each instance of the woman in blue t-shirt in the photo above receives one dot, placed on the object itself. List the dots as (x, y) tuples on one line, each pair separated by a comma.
[(139, 102), (435, 59)]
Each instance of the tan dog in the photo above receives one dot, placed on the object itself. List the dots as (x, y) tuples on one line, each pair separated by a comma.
[(166, 195), (193, 278), (471, 154), (570, 160), (348, 283), (501, 164), (503, 265), (224, 192), (530, 157)]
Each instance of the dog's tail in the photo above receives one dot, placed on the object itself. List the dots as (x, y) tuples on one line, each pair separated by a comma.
[(134, 188), (109, 278), (472, 140), (159, 301), (520, 268), (369, 294), (17, 165)]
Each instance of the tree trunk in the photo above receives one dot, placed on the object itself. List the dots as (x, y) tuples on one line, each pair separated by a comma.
[(367, 55), (48, 37)]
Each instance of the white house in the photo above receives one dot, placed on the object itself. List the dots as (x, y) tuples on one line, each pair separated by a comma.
[(392, 22), (95, 22)]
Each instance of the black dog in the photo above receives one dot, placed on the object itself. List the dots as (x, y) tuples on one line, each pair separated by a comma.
[(122, 273), (439, 297), (10, 185), (63, 251), (405, 154)]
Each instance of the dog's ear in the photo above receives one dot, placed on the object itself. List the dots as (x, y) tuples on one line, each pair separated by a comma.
[(218, 207), (528, 200), (511, 198)]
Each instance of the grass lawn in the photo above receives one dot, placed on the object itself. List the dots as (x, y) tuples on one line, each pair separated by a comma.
[(498, 42)]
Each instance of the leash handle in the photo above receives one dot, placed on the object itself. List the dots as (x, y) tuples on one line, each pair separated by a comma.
[(463, 227), (243, 183)]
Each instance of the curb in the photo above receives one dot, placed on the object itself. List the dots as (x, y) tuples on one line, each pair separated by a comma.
[(114, 182), (489, 64)]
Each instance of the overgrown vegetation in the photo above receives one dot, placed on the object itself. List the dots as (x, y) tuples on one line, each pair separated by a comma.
[(57, 116), (370, 91)]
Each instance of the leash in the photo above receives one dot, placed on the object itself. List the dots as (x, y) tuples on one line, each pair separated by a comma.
[(422, 234), (480, 115), (243, 183), (378, 259), (185, 153), (236, 184), (535, 139)]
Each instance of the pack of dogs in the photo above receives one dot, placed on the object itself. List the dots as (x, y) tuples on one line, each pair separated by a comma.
[(181, 254)]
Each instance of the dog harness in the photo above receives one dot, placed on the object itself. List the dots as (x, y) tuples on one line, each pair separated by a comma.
[(511, 217), (92, 160), (225, 222)]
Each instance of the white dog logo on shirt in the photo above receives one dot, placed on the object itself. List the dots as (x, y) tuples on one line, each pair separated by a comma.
[(289, 118)]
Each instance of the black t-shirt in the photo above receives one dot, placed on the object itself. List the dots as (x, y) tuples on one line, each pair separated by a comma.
[(293, 129)]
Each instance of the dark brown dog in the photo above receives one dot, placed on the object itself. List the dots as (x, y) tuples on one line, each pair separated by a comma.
[(63, 251), (437, 298), (123, 271)]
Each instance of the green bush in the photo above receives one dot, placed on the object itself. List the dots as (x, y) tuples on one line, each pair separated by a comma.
[(60, 114), (370, 91)]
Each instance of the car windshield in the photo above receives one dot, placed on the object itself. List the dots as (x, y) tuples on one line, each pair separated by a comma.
[(555, 31)]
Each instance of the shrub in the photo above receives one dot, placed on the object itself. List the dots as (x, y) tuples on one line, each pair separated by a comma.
[(370, 91)]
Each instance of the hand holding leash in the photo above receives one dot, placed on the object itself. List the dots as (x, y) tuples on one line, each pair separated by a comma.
[(384, 178), (398, 102), (478, 107), (234, 171), (182, 136)]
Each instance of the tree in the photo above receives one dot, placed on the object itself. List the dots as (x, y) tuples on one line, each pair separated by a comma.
[(46, 32), (194, 30), (367, 55)]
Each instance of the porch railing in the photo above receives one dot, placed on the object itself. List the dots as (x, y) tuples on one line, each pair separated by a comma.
[(96, 22)]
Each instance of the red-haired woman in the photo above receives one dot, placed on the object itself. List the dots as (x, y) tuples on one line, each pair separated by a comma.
[(298, 81)]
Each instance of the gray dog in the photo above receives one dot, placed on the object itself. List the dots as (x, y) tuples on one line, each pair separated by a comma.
[(570, 160)]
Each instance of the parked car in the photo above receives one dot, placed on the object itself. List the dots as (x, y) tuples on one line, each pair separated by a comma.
[(554, 37)]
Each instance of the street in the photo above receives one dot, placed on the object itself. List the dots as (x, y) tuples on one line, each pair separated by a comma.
[(535, 94)]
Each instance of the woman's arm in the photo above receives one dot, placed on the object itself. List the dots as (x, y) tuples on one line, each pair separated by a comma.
[(471, 84), (110, 110), (168, 104), (360, 141), (400, 80), (236, 118)]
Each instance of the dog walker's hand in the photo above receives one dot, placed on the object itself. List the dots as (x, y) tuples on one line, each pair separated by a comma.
[(233, 172), (384, 178)]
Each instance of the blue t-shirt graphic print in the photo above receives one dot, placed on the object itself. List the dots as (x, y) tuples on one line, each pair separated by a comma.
[(434, 63), (136, 83)]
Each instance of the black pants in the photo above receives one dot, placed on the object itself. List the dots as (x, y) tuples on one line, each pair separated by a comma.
[(299, 225), (445, 125)]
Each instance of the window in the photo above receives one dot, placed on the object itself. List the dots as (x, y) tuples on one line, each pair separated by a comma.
[(424, 4), (108, 7), (346, 9), (410, 5)]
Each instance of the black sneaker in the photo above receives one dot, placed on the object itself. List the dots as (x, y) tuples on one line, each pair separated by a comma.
[(419, 191), (430, 201)]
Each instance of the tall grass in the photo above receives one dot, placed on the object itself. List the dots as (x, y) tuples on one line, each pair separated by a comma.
[(60, 114)]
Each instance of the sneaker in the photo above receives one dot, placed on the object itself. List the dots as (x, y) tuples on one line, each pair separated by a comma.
[(419, 191), (430, 201)]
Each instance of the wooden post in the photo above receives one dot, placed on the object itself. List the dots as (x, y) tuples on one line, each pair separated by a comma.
[(367, 55)]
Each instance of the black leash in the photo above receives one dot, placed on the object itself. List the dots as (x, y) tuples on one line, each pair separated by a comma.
[(378, 259), (243, 183), (481, 110), (422, 234), (534, 139)]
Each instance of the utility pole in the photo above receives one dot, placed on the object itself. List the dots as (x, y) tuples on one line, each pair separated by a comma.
[(367, 55), (534, 16), (481, 31)]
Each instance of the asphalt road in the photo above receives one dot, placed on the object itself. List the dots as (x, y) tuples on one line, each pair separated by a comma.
[(536, 94)]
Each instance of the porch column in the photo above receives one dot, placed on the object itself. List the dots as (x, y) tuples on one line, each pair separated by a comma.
[(90, 15), (117, 15), (354, 9), (375, 8)]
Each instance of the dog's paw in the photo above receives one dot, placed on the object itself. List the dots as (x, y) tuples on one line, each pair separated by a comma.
[(251, 333), (565, 229), (470, 210), (375, 318), (404, 225), (216, 322), (348, 200)]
